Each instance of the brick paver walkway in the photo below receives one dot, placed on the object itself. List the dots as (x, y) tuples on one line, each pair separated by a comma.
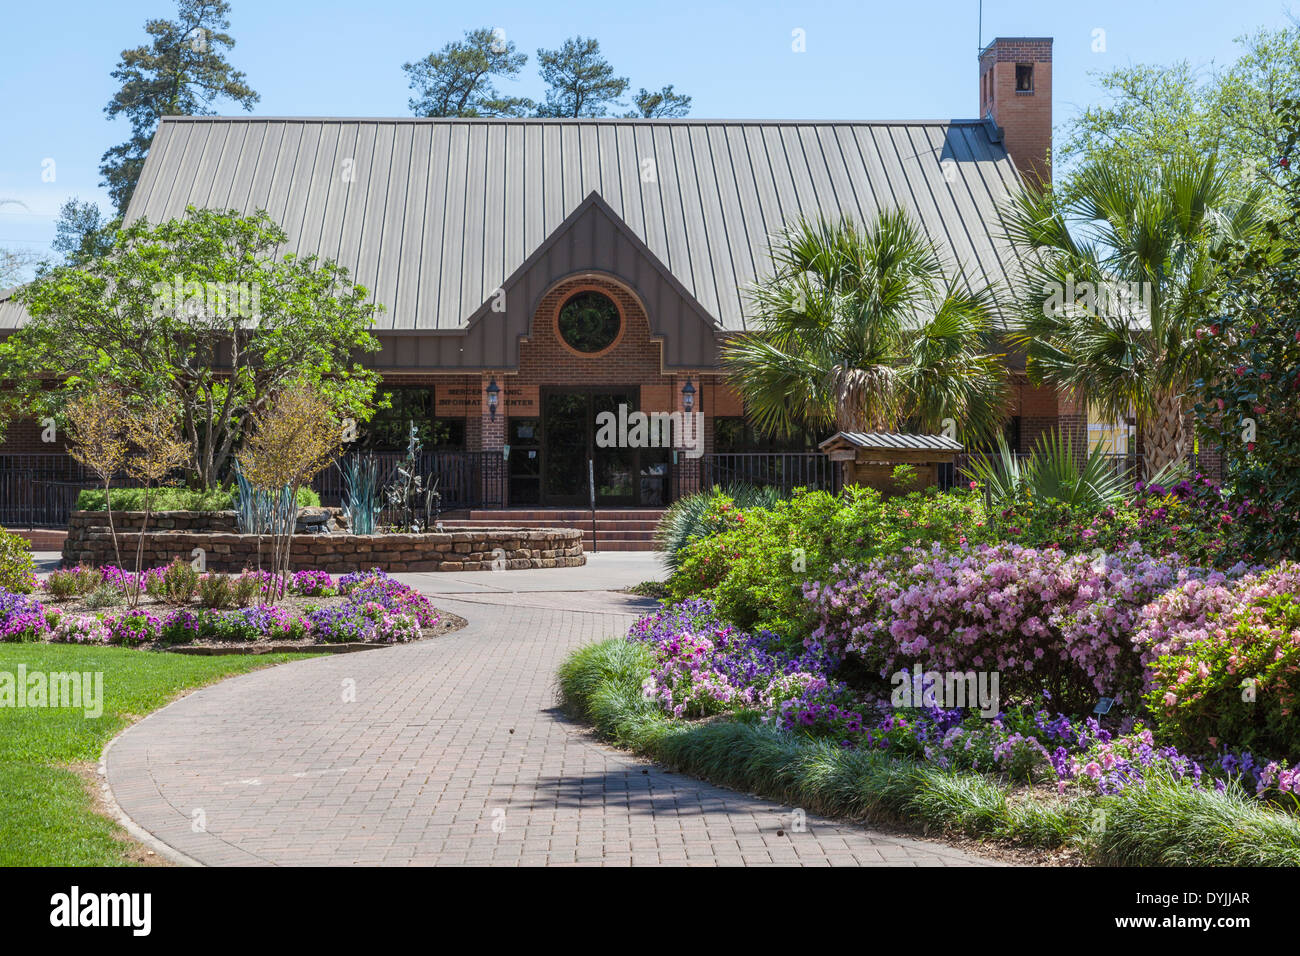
[(448, 751)]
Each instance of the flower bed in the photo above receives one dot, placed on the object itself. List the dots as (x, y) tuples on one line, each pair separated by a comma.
[(181, 607), (1043, 619), (1142, 610)]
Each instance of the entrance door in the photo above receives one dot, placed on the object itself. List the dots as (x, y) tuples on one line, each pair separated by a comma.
[(569, 427)]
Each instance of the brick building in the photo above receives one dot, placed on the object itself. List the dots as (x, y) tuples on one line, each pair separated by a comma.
[(536, 272)]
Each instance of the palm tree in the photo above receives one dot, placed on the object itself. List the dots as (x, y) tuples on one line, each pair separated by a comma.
[(860, 330), (1119, 272)]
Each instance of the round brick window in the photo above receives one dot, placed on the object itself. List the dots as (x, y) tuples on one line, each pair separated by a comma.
[(589, 322)]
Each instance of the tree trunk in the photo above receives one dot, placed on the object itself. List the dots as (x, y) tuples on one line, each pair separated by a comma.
[(1164, 435)]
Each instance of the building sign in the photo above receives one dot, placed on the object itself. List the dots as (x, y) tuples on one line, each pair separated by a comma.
[(469, 401), (458, 401), (521, 401)]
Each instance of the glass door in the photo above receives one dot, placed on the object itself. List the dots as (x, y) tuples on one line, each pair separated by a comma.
[(569, 426), (566, 426)]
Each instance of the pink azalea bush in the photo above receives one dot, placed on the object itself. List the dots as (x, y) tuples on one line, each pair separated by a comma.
[(1224, 662), (1041, 618)]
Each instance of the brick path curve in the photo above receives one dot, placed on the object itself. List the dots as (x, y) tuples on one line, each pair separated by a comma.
[(451, 753)]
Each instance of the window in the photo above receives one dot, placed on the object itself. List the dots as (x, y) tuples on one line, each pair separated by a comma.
[(1024, 77), (389, 430), (589, 322)]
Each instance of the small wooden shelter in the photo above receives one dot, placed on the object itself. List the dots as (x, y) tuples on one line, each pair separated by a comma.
[(869, 458)]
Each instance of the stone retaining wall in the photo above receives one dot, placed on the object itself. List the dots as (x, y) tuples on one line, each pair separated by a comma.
[(469, 549)]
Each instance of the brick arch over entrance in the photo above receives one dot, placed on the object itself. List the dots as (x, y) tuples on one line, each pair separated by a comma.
[(634, 359)]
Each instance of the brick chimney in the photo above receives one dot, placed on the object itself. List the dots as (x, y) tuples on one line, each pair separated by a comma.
[(1016, 94)]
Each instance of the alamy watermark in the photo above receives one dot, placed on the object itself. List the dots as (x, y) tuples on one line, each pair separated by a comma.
[(1116, 299), (24, 688), (681, 430), (951, 690), (206, 300), (126, 910)]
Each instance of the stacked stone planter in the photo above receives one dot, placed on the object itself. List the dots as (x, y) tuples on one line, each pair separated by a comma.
[(181, 532)]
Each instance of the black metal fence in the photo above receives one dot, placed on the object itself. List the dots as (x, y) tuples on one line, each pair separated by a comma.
[(465, 479), (783, 470), (40, 490)]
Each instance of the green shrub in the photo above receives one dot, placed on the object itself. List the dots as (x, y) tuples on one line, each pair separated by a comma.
[(245, 588), (180, 581), (17, 570), (215, 591), (754, 567), (1239, 686), (696, 516), (175, 499), (102, 596), (61, 584)]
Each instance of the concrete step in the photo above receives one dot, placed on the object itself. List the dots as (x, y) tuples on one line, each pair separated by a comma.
[(602, 524), (563, 514), (612, 534)]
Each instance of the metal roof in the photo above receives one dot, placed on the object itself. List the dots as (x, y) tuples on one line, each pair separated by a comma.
[(433, 215), (886, 440)]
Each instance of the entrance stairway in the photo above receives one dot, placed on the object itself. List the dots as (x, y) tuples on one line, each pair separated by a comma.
[(617, 529)]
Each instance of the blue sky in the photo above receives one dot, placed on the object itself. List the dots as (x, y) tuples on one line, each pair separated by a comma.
[(872, 60)]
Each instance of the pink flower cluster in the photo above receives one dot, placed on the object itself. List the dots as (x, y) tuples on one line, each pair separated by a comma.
[(1042, 618), (1200, 609)]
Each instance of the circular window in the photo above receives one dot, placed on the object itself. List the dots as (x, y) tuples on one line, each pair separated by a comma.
[(589, 322)]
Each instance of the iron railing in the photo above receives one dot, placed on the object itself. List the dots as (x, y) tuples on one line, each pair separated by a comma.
[(40, 490), (783, 470), (466, 479)]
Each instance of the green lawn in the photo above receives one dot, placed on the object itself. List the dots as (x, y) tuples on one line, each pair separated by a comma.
[(46, 815)]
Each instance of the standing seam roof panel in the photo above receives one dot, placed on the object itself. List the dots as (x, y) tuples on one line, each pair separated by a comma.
[(439, 213)]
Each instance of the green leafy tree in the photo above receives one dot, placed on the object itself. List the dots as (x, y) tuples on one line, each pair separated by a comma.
[(458, 79), (580, 81), (200, 310), (181, 71), (82, 232), (1249, 395), (1120, 270), (1155, 114), (665, 103), (860, 329)]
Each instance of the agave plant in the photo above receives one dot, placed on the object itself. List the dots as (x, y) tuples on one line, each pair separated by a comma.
[(261, 512), (361, 502), (686, 518)]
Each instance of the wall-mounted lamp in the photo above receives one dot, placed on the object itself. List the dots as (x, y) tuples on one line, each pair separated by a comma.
[(492, 392), (688, 396)]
